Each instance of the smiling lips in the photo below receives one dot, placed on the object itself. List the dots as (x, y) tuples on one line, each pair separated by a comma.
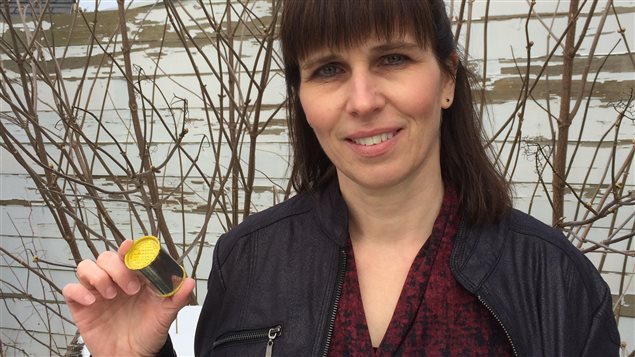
[(373, 140)]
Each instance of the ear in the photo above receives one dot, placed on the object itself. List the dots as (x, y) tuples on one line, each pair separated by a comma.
[(452, 63)]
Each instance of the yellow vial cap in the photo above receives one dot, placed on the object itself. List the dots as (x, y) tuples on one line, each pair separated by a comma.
[(142, 253)]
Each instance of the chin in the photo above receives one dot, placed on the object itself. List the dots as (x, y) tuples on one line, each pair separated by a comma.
[(376, 182)]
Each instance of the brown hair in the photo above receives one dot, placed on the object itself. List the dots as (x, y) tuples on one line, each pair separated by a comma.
[(309, 25)]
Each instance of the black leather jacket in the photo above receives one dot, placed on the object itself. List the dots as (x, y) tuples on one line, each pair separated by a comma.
[(276, 281)]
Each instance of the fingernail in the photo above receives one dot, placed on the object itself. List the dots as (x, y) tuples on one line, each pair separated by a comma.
[(111, 292), (133, 287), (89, 299)]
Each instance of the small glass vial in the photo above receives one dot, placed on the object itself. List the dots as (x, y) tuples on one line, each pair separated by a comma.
[(164, 275)]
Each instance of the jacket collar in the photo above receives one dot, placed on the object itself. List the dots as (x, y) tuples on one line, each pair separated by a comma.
[(332, 213), (476, 252)]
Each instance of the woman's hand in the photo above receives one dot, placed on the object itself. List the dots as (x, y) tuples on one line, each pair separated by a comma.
[(115, 313)]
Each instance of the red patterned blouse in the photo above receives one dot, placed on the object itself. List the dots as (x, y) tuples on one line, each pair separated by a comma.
[(435, 315)]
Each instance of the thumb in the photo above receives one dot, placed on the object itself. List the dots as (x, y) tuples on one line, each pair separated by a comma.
[(182, 297)]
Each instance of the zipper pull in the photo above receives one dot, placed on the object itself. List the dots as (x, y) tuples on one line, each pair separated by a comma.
[(273, 333)]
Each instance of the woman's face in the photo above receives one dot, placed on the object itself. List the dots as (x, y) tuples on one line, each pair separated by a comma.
[(376, 110)]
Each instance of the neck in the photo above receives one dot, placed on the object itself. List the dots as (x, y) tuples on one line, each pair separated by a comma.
[(395, 216)]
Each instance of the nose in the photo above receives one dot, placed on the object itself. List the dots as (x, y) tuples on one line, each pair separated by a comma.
[(364, 94)]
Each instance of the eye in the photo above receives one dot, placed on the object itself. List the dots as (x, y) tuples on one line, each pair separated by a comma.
[(393, 59), (327, 71)]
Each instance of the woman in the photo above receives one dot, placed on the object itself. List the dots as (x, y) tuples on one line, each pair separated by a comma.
[(401, 240)]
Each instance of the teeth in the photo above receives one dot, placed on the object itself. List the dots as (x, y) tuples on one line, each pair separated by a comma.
[(373, 140)]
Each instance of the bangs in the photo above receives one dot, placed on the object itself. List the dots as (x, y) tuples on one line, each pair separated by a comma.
[(311, 25)]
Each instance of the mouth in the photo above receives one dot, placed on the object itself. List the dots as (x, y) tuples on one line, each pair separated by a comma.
[(373, 140)]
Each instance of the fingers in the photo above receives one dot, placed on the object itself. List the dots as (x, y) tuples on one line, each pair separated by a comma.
[(124, 247), (107, 276), (95, 279), (77, 293), (124, 278)]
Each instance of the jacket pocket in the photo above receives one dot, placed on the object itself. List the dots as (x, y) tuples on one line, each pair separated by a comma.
[(248, 342)]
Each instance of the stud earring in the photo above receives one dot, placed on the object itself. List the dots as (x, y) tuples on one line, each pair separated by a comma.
[(447, 100)]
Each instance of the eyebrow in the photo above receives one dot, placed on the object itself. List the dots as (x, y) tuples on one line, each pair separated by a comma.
[(391, 46), (382, 48)]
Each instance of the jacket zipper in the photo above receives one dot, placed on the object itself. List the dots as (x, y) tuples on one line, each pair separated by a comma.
[(453, 263), (336, 301), (267, 333), (509, 338)]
